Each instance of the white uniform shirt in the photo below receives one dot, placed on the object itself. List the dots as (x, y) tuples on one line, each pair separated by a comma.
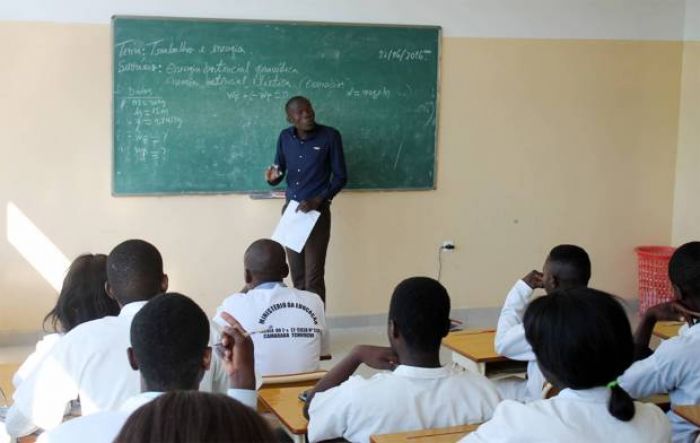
[(42, 348), (89, 362), (673, 368), (511, 342), (407, 399), (571, 417), (299, 336), (104, 426)]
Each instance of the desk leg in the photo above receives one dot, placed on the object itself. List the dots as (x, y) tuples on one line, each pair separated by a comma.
[(470, 365)]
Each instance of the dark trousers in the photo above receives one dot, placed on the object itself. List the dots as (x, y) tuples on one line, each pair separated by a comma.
[(308, 267)]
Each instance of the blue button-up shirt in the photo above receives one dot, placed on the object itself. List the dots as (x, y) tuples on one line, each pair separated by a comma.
[(314, 166)]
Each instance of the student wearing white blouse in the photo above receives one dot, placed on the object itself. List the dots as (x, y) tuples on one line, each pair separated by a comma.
[(674, 367), (583, 342), (420, 393), (82, 298), (566, 266), (170, 350)]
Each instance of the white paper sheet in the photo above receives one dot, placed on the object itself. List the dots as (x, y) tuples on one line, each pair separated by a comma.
[(295, 227)]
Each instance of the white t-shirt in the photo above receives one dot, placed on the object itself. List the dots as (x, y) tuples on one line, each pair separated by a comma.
[(295, 323), (674, 368), (104, 426), (89, 362), (510, 342), (43, 347), (571, 417), (407, 399)]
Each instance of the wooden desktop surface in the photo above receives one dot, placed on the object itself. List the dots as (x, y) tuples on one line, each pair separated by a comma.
[(283, 401), (667, 329), (475, 344), (437, 435), (689, 412)]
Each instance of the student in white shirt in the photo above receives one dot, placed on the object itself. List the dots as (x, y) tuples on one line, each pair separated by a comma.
[(294, 323), (583, 342), (88, 362), (418, 394), (170, 349), (674, 367), (82, 298), (566, 266)]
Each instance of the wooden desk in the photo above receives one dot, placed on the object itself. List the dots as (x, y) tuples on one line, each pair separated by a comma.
[(437, 435), (473, 350), (283, 401), (667, 329), (689, 412)]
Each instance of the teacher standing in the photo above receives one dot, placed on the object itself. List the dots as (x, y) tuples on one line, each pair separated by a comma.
[(311, 156)]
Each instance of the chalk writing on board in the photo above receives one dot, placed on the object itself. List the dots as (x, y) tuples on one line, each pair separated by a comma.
[(405, 55), (198, 104)]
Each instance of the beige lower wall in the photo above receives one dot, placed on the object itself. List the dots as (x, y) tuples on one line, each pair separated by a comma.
[(541, 142), (686, 214)]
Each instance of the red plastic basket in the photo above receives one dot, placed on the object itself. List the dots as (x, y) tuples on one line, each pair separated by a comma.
[(654, 285)]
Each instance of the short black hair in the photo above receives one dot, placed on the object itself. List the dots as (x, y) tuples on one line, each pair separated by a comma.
[(684, 270), (571, 265), (582, 339), (82, 297), (420, 310), (296, 98), (169, 336), (134, 271), (265, 259)]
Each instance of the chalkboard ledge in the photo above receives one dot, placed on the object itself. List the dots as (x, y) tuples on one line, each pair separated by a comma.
[(266, 195)]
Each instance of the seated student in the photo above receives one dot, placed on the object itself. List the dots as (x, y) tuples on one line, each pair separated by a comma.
[(675, 365), (298, 335), (190, 416), (92, 353), (583, 342), (566, 266), (82, 298), (418, 394), (88, 362), (170, 349)]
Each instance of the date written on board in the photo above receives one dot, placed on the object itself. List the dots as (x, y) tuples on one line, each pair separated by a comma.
[(404, 55)]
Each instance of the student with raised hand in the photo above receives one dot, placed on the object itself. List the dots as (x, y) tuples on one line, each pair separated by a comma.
[(191, 416), (674, 367), (170, 350), (82, 298), (420, 393), (294, 323), (566, 266), (583, 343)]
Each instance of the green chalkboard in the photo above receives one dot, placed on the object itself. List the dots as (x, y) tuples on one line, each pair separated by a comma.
[(198, 104)]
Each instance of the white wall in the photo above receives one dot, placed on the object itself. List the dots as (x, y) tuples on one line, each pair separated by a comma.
[(580, 19)]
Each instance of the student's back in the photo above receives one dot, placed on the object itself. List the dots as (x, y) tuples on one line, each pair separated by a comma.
[(566, 266), (297, 335), (82, 298), (582, 341), (409, 398), (89, 362), (674, 367), (418, 394)]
